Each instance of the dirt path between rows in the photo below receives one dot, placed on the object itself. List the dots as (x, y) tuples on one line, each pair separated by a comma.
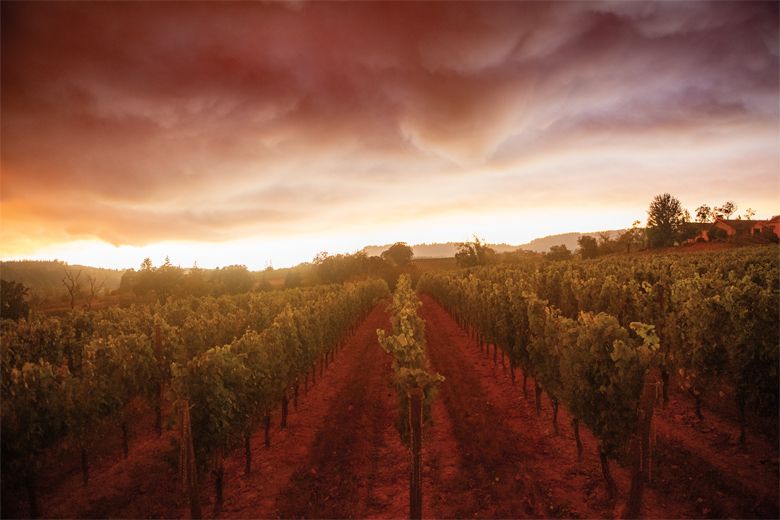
[(487, 454), (357, 466), (493, 479), (145, 484), (723, 479), (513, 463), (691, 478), (341, 456), (142, 485)]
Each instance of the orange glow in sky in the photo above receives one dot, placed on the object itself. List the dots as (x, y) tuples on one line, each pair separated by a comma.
[(265, 133)]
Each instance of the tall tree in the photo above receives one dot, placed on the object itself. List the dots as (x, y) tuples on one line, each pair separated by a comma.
[(704, 214), (13, 296), (95, 286), (474, 253), (72, 285), (233, 279), (726, 210), (665, 220), (398, 255), (589, 247), (560, 252), (632, 239)]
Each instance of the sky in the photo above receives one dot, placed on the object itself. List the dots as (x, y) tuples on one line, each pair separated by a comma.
[(262, 134)]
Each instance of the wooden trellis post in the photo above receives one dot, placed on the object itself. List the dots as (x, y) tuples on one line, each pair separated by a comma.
[(188, 471), (641, 448), (158, 354), (415, 433)]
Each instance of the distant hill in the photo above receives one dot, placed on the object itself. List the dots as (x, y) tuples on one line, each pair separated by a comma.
[(44, 277), (542, 245), (445, 250), (539, 245)]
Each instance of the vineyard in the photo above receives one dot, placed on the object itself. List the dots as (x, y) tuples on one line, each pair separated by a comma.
[(227, 363), (642, 385)]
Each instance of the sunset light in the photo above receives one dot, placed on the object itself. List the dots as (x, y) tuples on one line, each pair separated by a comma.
[(243, 132), (360, 259)]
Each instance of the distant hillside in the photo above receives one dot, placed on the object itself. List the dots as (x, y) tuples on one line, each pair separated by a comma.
[(45, 277), (539, 245), (445, 250), (542, 245)]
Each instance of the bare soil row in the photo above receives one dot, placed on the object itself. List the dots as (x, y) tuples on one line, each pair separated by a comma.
[(699, 469), (487, 454)]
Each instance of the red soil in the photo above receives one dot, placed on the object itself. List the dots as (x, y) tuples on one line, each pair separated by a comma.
[(512, 465), (341, 455), (725, 479), (486, 454), (115, 483), (515, 466)]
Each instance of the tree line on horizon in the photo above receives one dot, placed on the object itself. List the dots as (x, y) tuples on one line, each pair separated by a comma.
[(169, 280), (668, 224)]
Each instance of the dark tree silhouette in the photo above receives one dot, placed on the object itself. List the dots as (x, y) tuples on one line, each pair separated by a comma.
[(560, 252), (474, 253), (95, 287), (72, 285), (398, 255), (13, 296), (589, 247), (729, 208), (665, 221), (704, 214)]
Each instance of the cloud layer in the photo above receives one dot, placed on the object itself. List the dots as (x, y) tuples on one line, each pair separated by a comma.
[(135, 123)]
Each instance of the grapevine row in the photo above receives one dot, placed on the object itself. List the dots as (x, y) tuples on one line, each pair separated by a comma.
[(415, 384), (707, 319), (65, 377), (592, 365), (231, 389), (406, 344)]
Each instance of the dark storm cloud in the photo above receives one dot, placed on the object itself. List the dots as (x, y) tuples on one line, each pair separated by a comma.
[(136, 122)]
